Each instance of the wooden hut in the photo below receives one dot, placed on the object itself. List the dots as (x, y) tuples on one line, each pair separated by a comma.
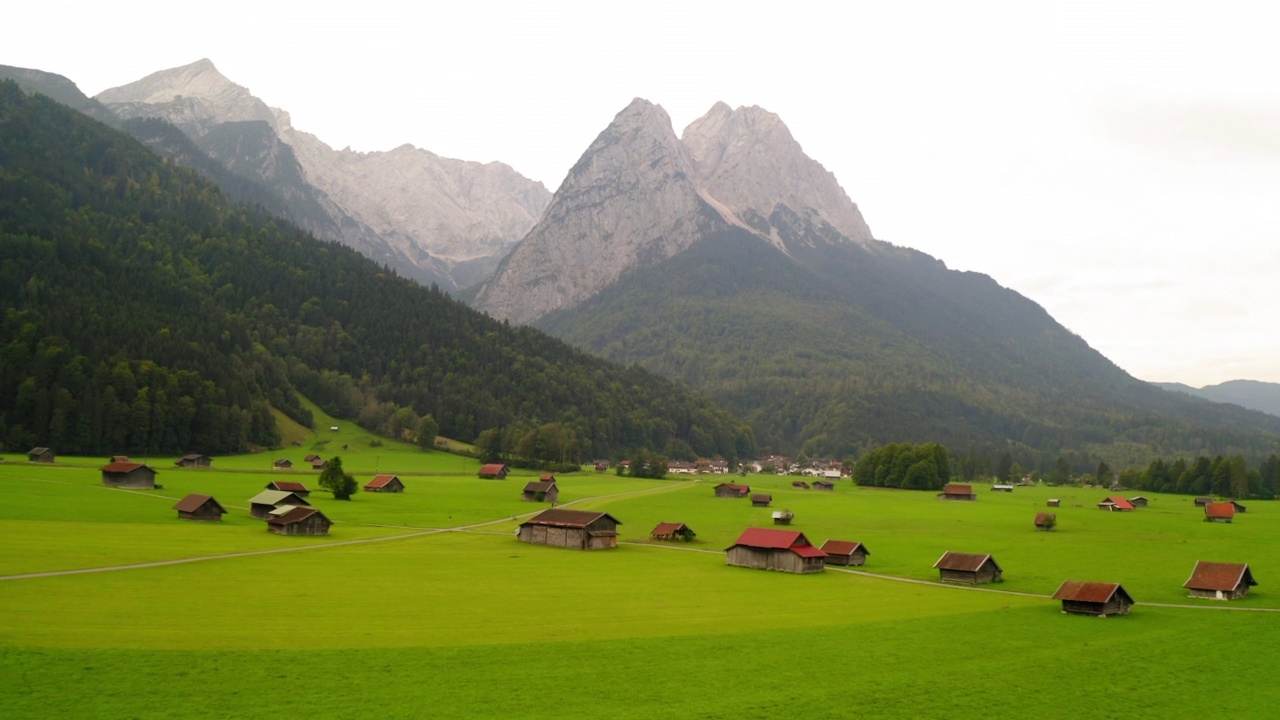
[(1115, 503), (1239, 508), (1202, 501), (1053, 502), (1093, 598), (312, 458), (577, 529), (1138, 501), (732, 490), (957, 492), (843, 552), (969, 568), (800, 484), (194, 460), (297, 520), (670, 532), (761, 500), (128, 475), (1046, 521), (493, 471), (1001, 488), (541, 491), (199, 507), (783, 517), (1220, 581), (319, 464), (261, 505), (119, 458), (825, 485), (769, 549), (384, 484), (297, 488), (1219, 512), (40, 454), (283, 464)]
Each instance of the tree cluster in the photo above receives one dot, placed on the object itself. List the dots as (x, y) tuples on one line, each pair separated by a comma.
[(1220, 476), (904, 465)]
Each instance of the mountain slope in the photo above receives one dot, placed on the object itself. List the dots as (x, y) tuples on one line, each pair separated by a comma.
[(1252, 394)]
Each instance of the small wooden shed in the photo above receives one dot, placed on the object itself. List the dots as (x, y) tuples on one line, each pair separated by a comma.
[(493, 471), (1202, 501), (261, 505), (1053, 502), (843, 552), (1219, 512), (1239, 508), (957, 492), (40, 454), (289, 486), (1220, 581), (825, 485), (783, 517), (1138, 501), (998, 487), (800, 484), (732, 490), (968, 568), (770, 549), (384, 484), (761, 500), (1093, 598), (312, 458), (670, 531), (1115, 503), (199, 507), (541, 491), (297, 520), (577, 529), (283, 464), (1046, 521), (194, 460), (319, 464), (128, 475)]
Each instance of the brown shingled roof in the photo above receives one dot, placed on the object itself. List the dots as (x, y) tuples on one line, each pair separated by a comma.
[(121, 467), (964, 562), (289, 486), (842, 547), (1219, 576), (540, 487), (667, 528), (298, 514), (1091, 592), (953, 489), (192, 502), (559, 517), (380, 481)]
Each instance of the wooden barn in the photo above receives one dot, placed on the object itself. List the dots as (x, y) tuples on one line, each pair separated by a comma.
[(1219, 512), (319, 464), (1239, 508), (577, 529), (261, 505), (1001, 488), (384, 484), (312, 458), (843, 552), (969, 568), (1093, 598), (40, 454), (800, 484), (957, 492), (670, 532), (1046, 521), (732, 490), (783, 517), (761, 500), (1053, 502), (826, 485), (283, 464), (1220, 581), (1115, 503), (289, 486), (194, 460), (128, 475), (493, 471), (1202, 501), (119, 458), (199, 507), (1138, 501), (769, 549), (541, 491), (297, 520)]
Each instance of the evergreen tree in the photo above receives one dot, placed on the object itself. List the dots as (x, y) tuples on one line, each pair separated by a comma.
[(337, 481)]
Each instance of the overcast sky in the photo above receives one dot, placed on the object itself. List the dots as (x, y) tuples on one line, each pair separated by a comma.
[(1116, 162)]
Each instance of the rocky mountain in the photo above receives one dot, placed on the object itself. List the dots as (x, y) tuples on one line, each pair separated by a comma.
[(1252, 394), (60, 89), (431, 218)]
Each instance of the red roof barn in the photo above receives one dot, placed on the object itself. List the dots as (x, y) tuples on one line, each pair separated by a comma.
[(1115, 503), (770, 549), (957, 492), (1222, 512), (289, 486), (843, 552), (1093, 598), (673, 531), (732, 490), (1220, 581), (493, 471), (385, 484)]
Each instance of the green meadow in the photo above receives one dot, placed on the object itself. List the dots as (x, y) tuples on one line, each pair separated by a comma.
[(428, 620)]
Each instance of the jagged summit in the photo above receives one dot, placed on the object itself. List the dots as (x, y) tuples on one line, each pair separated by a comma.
[(194, 95)]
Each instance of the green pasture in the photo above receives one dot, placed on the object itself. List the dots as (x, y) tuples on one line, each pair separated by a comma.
[(473, 623)]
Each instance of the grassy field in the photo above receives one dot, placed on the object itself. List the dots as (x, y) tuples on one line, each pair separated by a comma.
[(475, 624)]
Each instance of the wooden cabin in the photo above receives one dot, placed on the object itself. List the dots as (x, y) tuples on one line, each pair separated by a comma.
[(119, 458), (732, 490), (957, 492), (800, 484), (1219, 512), (1220, 581), (199, 507), (843, 552), (1138, 501), (783, 517), (289, 486), (826, 485), (1202, 501), (194, 460), (1001, 488), (319, 464), (769, 549), (283, 464), (1046, 521), (670, 532), (577, 529), (1053, 502), (297, 520), (40, 454), (1239, 508), (128, 475), (1115, 504), (761, 500), (968, 568), (1093, 598), (312, 458), (261, 505), (384, 484), (541, 491), (493, 471)]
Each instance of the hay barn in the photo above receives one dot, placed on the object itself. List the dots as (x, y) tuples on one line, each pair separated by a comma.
[(128, 475), (295, 520), (1093, 598), (199, 507), (800, 484), (289, 486), (671, 532), (40, 454), (957, 492), (577, 529), (493, 471), (541, 491), (732, 490), (194, 460), (282, 464), (769, 549), (783, 517), (1220, 581), (843, 552), (384, 484), (1115, 504), (1138, 501), (1219, 512), (1053, 502), (761, 500), (968, 568), (261, 505), (826, 485), (1202, 501)]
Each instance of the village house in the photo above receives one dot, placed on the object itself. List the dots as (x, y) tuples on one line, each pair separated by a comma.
[(732, 490), (1219, 512), (718, 467), (40, 454), (957, 492), (1115, 504), (1046, 521), (543, 490), (282, 464), (843, 552), (769, 549), (1220, 581), (289, 486), (681, 467), (761, 500), (783, 517), (577, 529), (297, 520), (199, 507), (194, 460), (1138, 501), (1093, 598), (969, 568), (824, 485), (670, 531), (384, 484), (128, 475), (261, 505), (493, 471), (601, 465)]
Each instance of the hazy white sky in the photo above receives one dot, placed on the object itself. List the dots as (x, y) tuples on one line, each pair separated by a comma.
[(1117, 162)]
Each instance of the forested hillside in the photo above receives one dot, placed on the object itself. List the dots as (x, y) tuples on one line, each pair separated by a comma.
[(146, 312)]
